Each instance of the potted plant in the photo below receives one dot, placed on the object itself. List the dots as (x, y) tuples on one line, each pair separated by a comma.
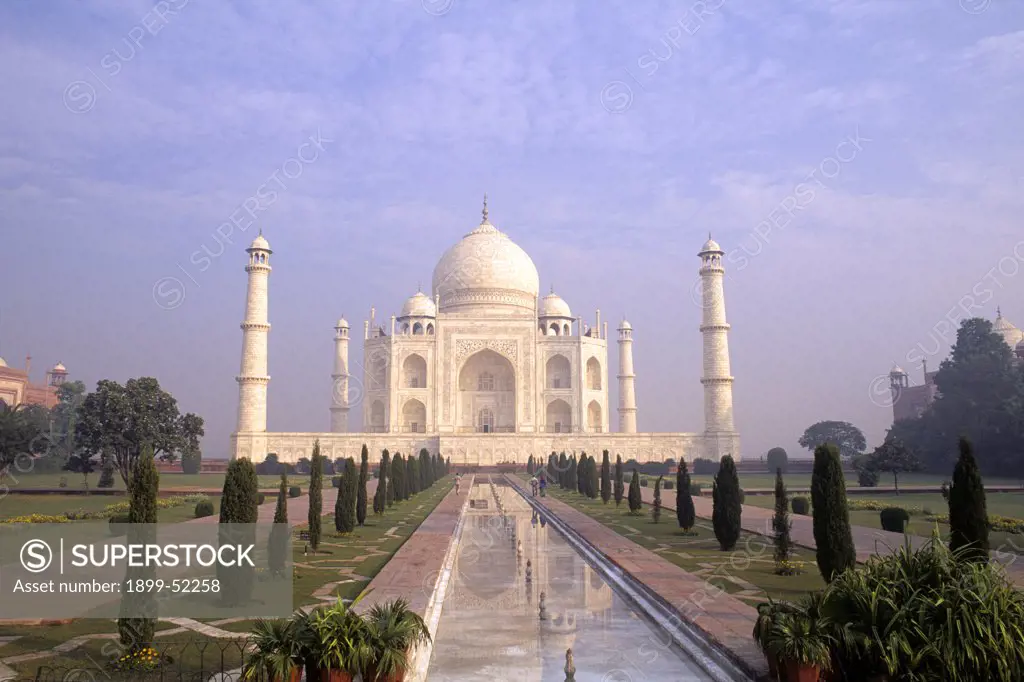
[(338, 643), (801, 647), (277, 652), (393, 632)]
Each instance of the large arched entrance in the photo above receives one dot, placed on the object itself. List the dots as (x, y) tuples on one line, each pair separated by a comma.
[(487, 394)]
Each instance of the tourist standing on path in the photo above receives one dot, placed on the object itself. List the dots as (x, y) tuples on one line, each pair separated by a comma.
[(458, 481), (543, 485)]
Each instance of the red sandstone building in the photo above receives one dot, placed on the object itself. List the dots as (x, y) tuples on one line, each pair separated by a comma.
[(16, 387)]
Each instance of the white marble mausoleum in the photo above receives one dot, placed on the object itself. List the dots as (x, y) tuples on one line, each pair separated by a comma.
[(485, 370)]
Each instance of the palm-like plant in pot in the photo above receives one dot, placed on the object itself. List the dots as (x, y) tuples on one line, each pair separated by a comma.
[(394, 631), (338, 643), (801, 643), (277, 652)]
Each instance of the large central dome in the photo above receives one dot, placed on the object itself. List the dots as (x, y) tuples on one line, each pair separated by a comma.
[(486, 272)]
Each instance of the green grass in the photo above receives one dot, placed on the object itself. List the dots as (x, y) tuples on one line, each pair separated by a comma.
[(21, 505), (354, 559), (766, 480), (1001, 504), (748, 572)]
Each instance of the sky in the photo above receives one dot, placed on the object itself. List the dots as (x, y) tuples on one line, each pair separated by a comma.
[(860, 161)]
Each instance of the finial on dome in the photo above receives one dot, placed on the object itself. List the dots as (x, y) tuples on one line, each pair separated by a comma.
[(485, 209), (552, 288), (999, 313)]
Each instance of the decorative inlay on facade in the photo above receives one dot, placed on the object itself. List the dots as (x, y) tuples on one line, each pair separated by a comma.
[(466, 347)]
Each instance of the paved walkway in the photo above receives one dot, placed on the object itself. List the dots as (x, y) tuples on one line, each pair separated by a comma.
[(868, 541), (727, 620)]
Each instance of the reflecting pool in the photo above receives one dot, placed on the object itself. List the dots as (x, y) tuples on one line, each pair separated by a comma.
[(492, 624)]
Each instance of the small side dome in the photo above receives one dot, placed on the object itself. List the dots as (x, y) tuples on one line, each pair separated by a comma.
[(259, 244), (625, 325), (419, 305), (3, 363), (553, 305), (59, 367), (711, 246), (897, 371), (342, 323)]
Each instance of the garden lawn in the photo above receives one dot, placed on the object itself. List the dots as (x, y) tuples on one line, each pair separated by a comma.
[(346, 563), (747, 573), (22, 505), (75, 482), (1000, 504), (767, 481)]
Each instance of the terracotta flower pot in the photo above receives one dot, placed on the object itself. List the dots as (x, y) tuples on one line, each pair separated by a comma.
[(294, 676), (799, 672), (327, 675), (394, 677)]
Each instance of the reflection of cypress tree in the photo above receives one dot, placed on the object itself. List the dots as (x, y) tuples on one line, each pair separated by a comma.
[(280, 534), (137, 623), (237, 518)]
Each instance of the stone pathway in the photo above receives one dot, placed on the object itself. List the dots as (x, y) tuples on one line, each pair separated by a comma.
[(725, 619), (868, 541)]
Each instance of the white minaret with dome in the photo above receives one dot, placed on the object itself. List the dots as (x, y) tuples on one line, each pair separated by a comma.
[(480, 368), (253, 378), (717, 379)]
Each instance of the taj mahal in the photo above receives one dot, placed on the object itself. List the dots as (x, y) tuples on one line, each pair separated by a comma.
[(484, 370)]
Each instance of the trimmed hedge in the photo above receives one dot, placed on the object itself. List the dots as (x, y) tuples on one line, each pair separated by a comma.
[(643, 482), (203, 509), (800, 505), (261, 498), (294, 491), (695, 489), (667, 485), (118, 524), (894, 519)]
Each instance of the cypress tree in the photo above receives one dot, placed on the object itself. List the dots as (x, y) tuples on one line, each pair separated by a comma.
[(593, 486), (725, 516), (380, 497), (606, 478), (345, 508), (656, 507), (582, 474), (238, 511), (447, 466), (316, 496), (424, 479), (398, 476), (137, 624), (781, 526), (413, 469), (620, 486), (529, 465), (280, 534), (364, 474), (968, 512), (832, 537), (635, 501), (686, 514), (389, 478), (563, 471), (572, 473)]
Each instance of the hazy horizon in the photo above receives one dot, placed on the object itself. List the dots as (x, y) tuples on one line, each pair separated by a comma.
[(855, 159)]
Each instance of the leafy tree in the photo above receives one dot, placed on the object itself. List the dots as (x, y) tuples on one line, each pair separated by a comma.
[(364, 475), (781, 524), (82, 462), (968, 513), (833, 539), (620, 486), (893, 457), (23, 431), (656, 507), (191, 455), (118, 420), (635, 501), (867, 474), (777, 459), (606, 478), (278, 544), (106, 473), (686, 514), (727, 506), (844, 435), (137, 624), (316, 497)]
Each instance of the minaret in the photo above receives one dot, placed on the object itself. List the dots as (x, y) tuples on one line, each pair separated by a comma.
[(717, 380), (339, 404), (253, 378), (627, 388)]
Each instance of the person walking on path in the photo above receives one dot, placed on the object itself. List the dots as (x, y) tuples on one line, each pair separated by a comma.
[(543, 486), (458, 481)]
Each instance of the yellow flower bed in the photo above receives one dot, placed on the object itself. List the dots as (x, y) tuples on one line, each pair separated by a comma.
[(107, 512), (36, 518)]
